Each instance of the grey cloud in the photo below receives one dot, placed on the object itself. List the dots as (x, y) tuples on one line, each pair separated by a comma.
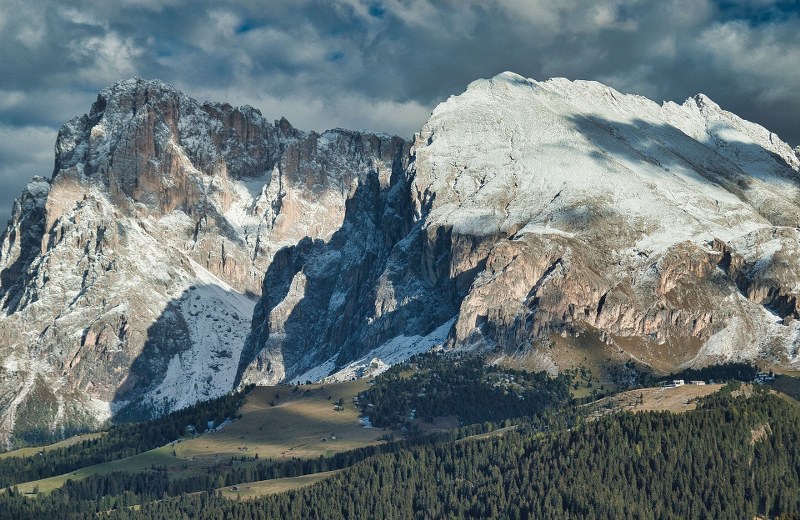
[(384, 64), (25, 152)]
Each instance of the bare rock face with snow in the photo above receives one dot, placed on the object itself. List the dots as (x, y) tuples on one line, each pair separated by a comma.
[(129, 279), (183, 248), (664, 233)]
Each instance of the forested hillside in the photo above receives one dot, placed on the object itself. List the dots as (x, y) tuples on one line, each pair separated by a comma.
[(735, 456), (431, 386)]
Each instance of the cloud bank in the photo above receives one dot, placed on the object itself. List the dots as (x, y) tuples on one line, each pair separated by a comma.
[(381, 65)]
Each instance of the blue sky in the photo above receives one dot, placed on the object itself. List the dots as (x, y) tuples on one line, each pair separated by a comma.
[(381, 65)]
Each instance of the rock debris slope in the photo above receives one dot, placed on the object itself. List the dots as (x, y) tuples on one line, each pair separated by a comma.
[(183, 248)]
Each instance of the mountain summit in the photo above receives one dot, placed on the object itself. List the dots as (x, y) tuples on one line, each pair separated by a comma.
[(667, 231), (182, 248), (129, 279)]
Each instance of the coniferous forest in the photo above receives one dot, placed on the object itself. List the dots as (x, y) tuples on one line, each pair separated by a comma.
[(735, 456), (434, 386)]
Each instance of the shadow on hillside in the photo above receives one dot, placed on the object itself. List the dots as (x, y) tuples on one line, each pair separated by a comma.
[(668, 150), (205, 311)]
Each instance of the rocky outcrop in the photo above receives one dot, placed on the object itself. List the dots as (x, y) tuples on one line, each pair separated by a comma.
[(764, 267)]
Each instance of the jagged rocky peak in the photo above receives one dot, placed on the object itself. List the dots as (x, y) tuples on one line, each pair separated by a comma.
[(152, 145), (137, 268), (238, 187)]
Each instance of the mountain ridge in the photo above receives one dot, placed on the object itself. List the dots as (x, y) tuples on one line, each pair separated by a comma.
[(534, 219)]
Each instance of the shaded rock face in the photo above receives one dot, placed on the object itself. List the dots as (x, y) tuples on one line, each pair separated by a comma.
[(544, 217), (128, 280), (22, 241), (328, 303), (183, 248)]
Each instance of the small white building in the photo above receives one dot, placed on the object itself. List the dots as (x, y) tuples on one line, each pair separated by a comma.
[(697, 383)]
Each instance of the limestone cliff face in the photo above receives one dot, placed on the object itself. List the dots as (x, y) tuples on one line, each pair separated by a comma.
[(129, 279), (156, 153)]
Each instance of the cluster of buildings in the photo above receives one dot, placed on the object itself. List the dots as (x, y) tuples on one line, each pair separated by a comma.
[(675, 383), (761, 378)]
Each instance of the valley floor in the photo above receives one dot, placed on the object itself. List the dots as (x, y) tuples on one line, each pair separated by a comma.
[(277, 423)]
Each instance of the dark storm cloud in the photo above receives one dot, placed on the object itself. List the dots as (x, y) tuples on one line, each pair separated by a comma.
[(382, 64)]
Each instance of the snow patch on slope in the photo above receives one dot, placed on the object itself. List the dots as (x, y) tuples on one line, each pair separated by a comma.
[(218, 318), (544, 154), (378, 360)]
